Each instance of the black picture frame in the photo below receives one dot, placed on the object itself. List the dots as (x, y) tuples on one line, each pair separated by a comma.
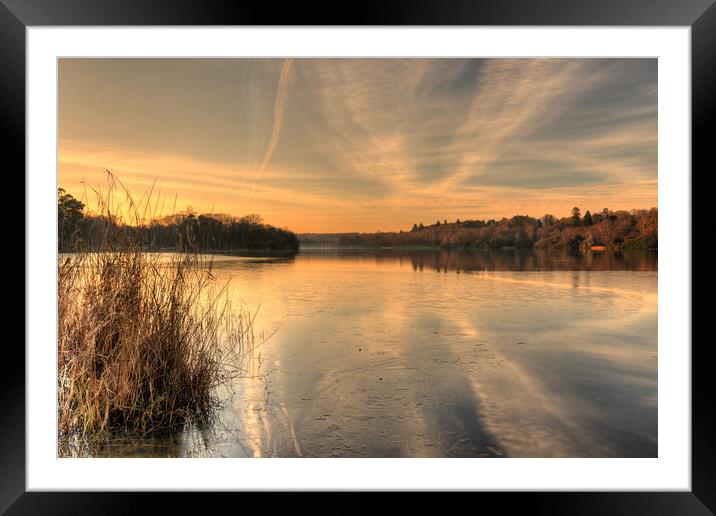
[(700, 15)]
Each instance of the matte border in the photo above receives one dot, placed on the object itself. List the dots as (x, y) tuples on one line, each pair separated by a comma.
[(700, 15)]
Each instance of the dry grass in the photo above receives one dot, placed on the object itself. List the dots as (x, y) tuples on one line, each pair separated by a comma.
[(145, 340)]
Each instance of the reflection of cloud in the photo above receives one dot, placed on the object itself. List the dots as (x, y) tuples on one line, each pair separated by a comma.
[(365, 141), (522, 364), (573, 392)]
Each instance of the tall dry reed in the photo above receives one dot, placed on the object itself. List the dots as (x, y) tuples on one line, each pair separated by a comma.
[(145, 340)]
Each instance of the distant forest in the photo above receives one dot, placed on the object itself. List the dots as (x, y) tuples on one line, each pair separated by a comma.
[(79, 230), (616, 230)]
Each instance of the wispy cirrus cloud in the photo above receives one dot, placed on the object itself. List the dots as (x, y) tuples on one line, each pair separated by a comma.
[(277, 117)]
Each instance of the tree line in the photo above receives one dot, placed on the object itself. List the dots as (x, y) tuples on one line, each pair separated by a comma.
[(185, 231), (615, 230)]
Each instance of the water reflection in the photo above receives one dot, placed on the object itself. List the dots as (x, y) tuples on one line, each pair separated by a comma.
[(499, 260), (521, 355)]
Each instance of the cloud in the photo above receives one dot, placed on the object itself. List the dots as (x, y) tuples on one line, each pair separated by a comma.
[(531, 173), (277, 115), (373, 139)]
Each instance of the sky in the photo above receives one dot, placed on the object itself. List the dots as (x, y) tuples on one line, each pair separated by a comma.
[(336, 145)]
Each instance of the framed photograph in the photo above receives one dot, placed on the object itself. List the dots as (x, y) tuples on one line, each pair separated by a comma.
[(417, 250)]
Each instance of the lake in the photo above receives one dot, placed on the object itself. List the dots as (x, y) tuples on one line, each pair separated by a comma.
[(386, 353)]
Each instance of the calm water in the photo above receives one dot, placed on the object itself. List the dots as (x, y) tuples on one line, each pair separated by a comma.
[(425, 354)]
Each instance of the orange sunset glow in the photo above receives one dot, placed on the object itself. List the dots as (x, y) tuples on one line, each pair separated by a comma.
[(338, 145)]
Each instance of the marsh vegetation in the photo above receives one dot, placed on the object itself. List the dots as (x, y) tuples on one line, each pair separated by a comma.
[(144, 340)]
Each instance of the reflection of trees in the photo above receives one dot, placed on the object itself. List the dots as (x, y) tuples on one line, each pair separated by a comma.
[(460, 260), (444, 261)]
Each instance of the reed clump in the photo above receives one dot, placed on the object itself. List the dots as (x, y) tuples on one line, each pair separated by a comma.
[(145, 341)]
